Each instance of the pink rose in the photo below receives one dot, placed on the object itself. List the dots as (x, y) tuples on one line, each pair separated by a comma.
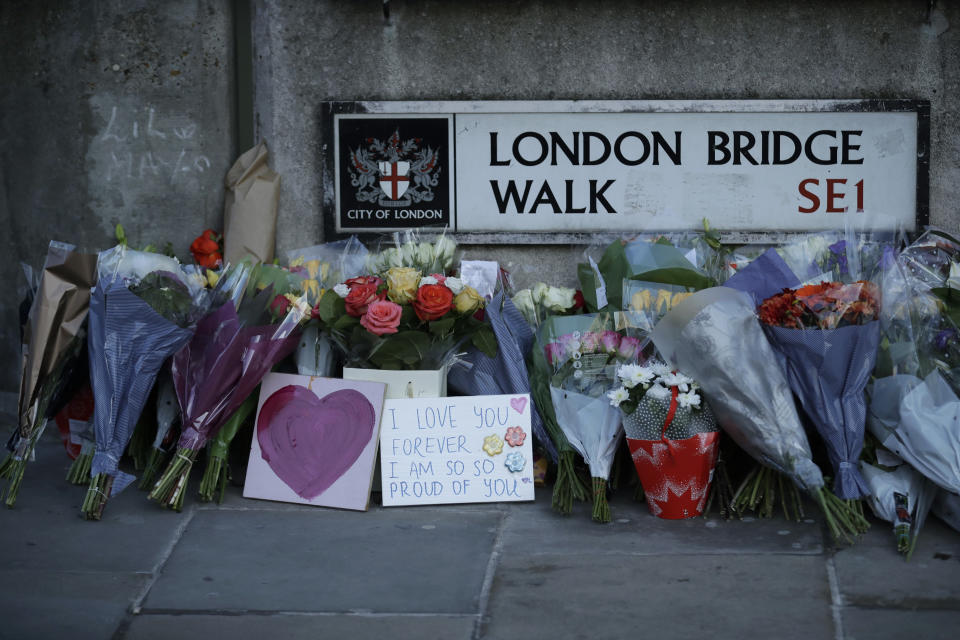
[(628, 347), (382, 317), (554, 352), (590, 342), (610, 340)]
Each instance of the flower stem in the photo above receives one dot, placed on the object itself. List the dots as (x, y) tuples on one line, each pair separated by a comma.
[(97, 495), (171, 487), (13, 468), (601, 508), (79, 472), (567, 486), (154, 462), (214, 476), (844, 522)]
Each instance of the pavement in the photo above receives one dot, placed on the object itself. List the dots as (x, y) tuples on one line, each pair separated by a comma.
[(258, 569)]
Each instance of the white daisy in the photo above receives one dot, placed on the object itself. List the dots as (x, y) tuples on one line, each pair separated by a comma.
[(660, 368), (617, 396), (658, 392), (687, 400)]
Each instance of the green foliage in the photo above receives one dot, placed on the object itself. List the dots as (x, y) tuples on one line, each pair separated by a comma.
[(167, 296)]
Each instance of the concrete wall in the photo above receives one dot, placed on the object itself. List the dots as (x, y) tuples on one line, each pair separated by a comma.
[(125, 111), (110, 111), (306, 53)]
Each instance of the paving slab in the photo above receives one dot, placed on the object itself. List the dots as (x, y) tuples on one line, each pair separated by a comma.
[(55, 604), (697, 596), (634, 530), (45, 531), (328, 561), (299, 627), (871, 573), (881, 624)]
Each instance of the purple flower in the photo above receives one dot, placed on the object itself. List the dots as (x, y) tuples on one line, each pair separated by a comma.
[(838, 256), (945, 337)]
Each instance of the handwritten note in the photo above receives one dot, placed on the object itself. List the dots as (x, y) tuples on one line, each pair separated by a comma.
[(144, 143), (456, 450)]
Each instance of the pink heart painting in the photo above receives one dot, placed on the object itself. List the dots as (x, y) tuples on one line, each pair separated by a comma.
[(310, 442), (519, 404)]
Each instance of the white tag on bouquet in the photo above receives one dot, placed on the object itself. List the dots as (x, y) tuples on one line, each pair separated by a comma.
[(601, 287), (481, 275)]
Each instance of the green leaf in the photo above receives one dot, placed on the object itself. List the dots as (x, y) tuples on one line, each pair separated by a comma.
[(486, 341), (408, 348), (676, 275), (120, 234), (951, 301), (331, 307), (588, 286), (344, 322), (442, 326)]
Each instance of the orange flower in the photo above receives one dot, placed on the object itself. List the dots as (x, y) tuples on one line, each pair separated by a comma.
[(206, 250)]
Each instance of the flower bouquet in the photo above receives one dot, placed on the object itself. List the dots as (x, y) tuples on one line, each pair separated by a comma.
[(476, 373), (688, 261), (582, 354), (285, 286), (672, 435), (714, 337), (538, 304), (142, 311), (901, 496), (404, 321), (931, 265), (234, 346), (323, 266), (828, 336), (53, 338)]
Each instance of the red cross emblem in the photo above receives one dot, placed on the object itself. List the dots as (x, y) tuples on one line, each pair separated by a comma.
[(393, 178)]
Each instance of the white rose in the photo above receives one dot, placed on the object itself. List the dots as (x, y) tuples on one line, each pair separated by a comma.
[(393, 258), (454, 284), (425, 256), (444, 250), (523, 300), (538, 292), (342, 290), (427, 280), (558, 298)]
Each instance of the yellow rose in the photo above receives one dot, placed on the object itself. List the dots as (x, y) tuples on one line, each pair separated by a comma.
[(402, 284), (311, 288), (468, 300)]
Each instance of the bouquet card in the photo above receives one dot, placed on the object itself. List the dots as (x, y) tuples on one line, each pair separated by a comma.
[(456, 450)]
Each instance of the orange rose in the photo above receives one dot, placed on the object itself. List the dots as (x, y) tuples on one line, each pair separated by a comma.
[(206, 250), (360, 297), (433, 301)]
